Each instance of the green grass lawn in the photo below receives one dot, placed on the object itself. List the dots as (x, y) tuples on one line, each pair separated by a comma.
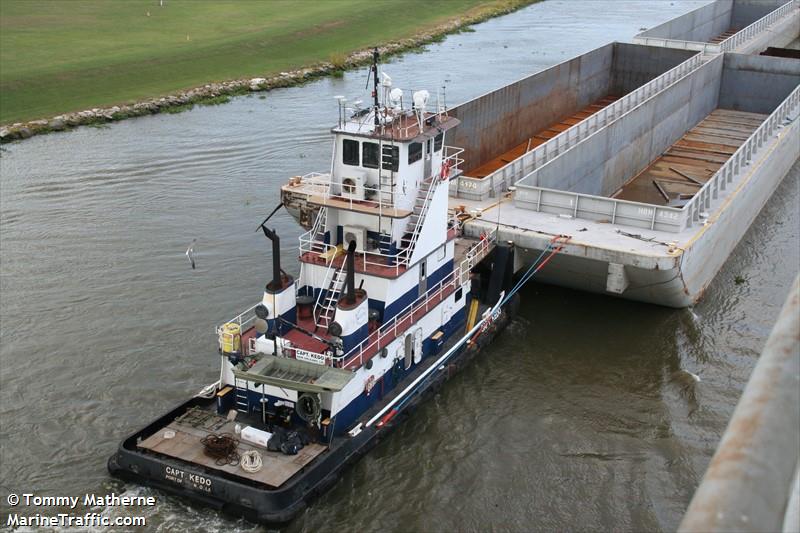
[(58, 56)]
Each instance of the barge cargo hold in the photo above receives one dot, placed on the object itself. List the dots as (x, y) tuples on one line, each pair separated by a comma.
[(744, 26), (664, 251), (559, 152)]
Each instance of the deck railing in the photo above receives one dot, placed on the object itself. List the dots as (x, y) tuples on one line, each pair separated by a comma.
[(245, 319), (458, 277), (740, 159), (389, 331), (739, 38), (510, 173), (731, 43), (660, 218), (310, 242)]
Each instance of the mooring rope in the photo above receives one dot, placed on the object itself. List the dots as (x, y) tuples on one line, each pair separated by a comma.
[(222, 448), (250, 461)]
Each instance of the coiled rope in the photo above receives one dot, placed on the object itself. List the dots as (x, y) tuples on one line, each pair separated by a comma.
[(222, 448), (250, 461)]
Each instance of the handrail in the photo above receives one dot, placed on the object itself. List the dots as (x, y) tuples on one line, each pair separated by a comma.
[(651, 216), (239, 319), (459, 276), (737, 39), (740, 158), (409, 250), (309, 241), (512, 172)]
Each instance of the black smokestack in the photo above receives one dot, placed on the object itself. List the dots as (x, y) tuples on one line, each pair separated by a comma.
[(276, 283), (350, 281)]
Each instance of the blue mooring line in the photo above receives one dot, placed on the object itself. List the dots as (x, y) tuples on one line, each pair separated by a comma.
[(523, 280)]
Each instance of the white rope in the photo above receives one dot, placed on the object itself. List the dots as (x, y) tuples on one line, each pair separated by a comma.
[(251, 462)]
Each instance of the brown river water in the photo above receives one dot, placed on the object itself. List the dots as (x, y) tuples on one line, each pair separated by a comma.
[(579, 416)]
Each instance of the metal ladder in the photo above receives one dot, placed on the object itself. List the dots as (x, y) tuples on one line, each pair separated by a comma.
[(421, 205), (242, 402), (386, 179), (327, 304), (318, 231)]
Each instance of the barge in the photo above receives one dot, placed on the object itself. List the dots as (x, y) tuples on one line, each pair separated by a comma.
[(654, 157), (390, 301)]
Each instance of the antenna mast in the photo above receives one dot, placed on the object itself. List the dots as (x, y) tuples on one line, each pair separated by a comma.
[(375, 57)]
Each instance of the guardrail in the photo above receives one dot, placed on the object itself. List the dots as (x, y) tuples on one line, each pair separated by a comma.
[(310, 240), (751, 482), (660, 218), (737, 39), (741, 158), (244, 319), (510, 173), (458, 277)]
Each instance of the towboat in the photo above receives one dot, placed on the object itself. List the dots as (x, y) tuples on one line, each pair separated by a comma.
[(390, 300)]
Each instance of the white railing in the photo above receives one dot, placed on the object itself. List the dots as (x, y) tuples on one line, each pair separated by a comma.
[(509, 174), (660, 218), (736, 40), (310, 242), (451, 155), (741, 158), (244, 319), (458, 277), (728, 45)]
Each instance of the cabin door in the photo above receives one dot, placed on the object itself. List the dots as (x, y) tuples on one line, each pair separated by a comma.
[(409, 350), (428, 156), (418, 345), (423, 277)]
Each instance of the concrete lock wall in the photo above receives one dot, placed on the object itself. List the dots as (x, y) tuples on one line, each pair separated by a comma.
[(757, 84), (603, 162), (499, 120)]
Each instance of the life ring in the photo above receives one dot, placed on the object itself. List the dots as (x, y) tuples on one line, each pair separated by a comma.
[(369, 384)]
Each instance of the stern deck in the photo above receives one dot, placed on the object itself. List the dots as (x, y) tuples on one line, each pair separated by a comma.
[(186, 446)]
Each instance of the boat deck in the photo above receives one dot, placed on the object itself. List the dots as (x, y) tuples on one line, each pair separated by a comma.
[(680, 172), (540, 137), (185, 445)]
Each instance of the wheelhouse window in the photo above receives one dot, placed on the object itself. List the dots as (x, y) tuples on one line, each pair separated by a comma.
[(371, 155), (437, 142), (350, 152), (414, 152), (391, 157)]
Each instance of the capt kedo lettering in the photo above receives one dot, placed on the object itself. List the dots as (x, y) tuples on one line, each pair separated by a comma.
[(196, 481)]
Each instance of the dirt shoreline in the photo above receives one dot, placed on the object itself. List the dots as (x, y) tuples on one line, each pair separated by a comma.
[(219, 93)]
